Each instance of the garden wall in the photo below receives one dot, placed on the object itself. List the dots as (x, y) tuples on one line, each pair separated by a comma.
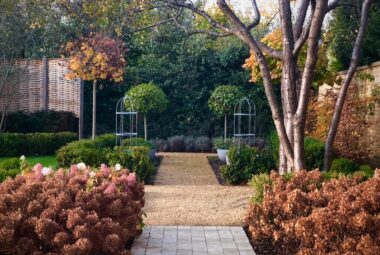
[(368, 86), (40, 84)]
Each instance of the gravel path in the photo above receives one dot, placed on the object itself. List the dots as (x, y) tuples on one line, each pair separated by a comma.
[(187, 193)]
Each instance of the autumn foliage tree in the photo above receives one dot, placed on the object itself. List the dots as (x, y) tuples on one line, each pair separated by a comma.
[(301, 30), (93, 58)]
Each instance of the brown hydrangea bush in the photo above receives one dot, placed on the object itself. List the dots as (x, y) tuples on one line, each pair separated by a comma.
[(307, 215), (70, 212)]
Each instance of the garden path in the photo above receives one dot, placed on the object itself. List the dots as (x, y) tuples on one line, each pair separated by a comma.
[(188, 212), (186, 192)]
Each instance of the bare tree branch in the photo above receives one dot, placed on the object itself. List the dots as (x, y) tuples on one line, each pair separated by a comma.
[(347, 80), (193, 32), (256, 16), (159, 23), (302, 11), (202, 13), (302, 39)]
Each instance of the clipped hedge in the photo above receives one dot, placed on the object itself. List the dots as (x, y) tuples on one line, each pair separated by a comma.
[(308, 215), (137, 142), (103, 151), (245, 162), (33, 144), (76, 212), (41, 121), (134, 158), (91, 152)]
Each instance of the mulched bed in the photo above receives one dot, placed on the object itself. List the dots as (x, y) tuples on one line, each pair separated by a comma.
[(216, 165)]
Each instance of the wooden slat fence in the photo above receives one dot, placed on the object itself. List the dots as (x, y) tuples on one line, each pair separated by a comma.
[(40, 84)]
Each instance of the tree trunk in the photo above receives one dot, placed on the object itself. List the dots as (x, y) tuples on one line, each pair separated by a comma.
[(93, 110), (299, 118), (145, 127), (282, 162), (225, 127), (343, 90)]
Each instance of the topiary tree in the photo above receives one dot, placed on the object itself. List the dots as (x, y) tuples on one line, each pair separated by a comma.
[(94, 58), (146, 98), (223, 100)]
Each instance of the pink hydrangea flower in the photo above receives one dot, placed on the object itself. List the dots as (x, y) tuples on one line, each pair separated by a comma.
[(111, 189), (38, 170), (105, 170), (74, 169), (131, 179)]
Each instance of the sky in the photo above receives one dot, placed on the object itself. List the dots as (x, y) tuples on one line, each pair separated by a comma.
[(243, 5)]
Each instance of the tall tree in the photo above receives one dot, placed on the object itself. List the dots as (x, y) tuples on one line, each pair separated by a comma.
[(304, 30), (94, 58)]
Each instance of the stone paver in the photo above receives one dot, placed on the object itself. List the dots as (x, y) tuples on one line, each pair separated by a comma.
[(192, 240), (188, 212)]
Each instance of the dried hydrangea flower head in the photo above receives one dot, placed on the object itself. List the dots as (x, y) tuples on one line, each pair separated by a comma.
[(66, 212)]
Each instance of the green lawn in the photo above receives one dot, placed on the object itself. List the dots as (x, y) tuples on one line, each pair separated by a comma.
[(44, 160)]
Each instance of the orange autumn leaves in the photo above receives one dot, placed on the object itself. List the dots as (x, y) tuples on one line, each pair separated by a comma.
[(97, 57), (323, 74), (274, 40)]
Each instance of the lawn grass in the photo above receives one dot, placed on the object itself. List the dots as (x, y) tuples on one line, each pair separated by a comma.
[(48, 161)]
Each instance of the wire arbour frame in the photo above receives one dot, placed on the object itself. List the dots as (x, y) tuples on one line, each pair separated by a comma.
[(245, 114), (125, 119)]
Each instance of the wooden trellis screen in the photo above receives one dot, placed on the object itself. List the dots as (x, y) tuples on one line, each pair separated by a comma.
[(40, 84)]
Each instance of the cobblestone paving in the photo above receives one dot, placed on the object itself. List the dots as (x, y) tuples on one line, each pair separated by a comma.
[(192, 240)]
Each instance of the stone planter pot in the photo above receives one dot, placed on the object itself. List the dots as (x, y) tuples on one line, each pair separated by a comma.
[(222, 154)]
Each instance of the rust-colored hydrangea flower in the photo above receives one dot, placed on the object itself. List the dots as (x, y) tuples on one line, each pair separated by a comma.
[(307, 215), (70, 212)]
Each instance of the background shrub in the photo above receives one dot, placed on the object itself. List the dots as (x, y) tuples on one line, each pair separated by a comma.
[(137, 142), (221, 143), (307, 215), (245, 162), (314, 152), (105, 141), (177, 143), (343, 165), (90, 152), (366, 170), (80, 151), (9, 168), (102, 151), (274, 146), (190, 144), (203, 144), (40, 214), (135, 159), (41, 121), (257, 183), (10, 163), (11, 173), (15, 144), (160, 144)]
